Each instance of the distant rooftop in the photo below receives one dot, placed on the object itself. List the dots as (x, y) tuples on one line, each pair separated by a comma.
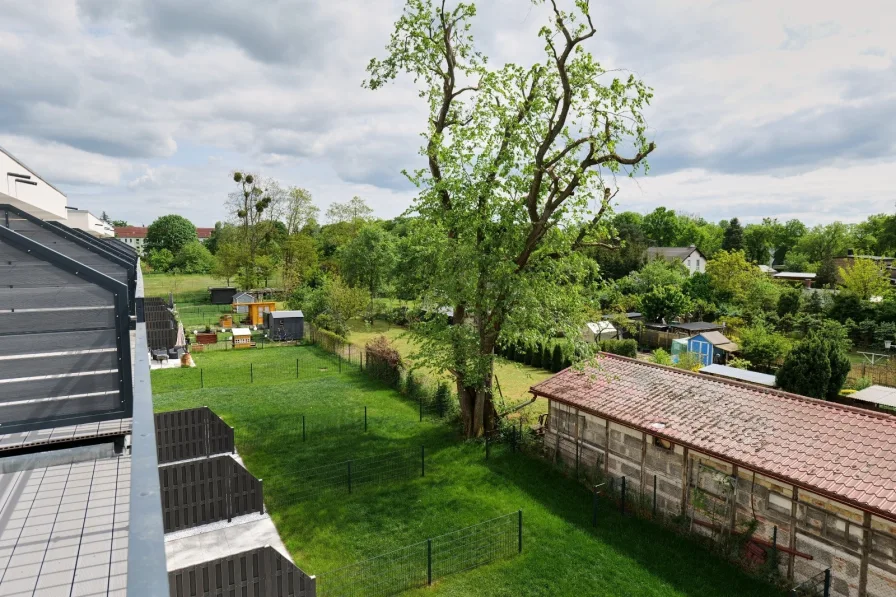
[(670, 252), (755, 377), (796, 275)]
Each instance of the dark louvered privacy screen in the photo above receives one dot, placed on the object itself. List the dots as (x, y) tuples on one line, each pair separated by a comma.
[(64, 340)]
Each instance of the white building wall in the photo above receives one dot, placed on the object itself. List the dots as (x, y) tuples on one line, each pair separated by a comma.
[(695, 262), (39, 199), (86, 221)]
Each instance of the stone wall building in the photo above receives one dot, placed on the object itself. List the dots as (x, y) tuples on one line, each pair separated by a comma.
[(818, 478)]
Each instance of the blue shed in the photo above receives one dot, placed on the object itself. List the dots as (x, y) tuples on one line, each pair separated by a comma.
[(712, 347)]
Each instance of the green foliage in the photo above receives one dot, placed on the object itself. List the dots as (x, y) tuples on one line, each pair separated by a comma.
[(664, 304), (368, 259), (817, 367), (171, 232), (865, 278), (625, 348), (661, 357), (861, 384), (194, 258), (689, 361), (826, 274), (160, 260), (557, 359), (739, 363), (789, 301), (763, 347), (536, 355), (353, 211), (733, 239), (655, 274)]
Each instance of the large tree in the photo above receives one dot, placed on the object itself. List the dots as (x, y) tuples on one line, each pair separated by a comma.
[(733, 239), (248, 205), (865, 278), (519, 176), (170, 232), (367, 260)]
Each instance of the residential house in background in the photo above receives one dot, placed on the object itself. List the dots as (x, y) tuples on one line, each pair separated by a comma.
[(135, 236), (86, 221), (691, 256), (885, 263)]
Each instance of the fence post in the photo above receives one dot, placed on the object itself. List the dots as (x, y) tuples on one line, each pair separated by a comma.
[(654, 496), (261, 500), (429, 561), (422, 461), (520, 532), (827, 582), (339, 359), (303, 427), (297, 368), (594, 507), (349, 476), (201, 379), (365, 419), (251, 374), (623, 495)]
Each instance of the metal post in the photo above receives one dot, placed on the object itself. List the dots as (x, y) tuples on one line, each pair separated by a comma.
[(201, 379), (303, 427), (349, 476), (594, 507), (520, 531), (623, 495), (654, 496), (365, 419), (251, 374), (429, 561), (339, 359), (827, 582), (297, 368), (422, 461), (261, 491)]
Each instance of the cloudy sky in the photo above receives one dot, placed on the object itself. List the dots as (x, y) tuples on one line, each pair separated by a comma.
[(782, 108)]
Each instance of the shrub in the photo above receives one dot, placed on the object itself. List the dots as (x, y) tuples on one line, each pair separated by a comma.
[(739, 363), (861, 384), (530, 354), (661, 357), (625, 348), (383, 361), (546, 358), (557, 359), (689, 361), (442, 398), (536, 355), (412, 387)]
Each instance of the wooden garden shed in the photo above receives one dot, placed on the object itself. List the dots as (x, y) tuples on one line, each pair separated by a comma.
[(222, 295), (242, 338), (254, 312), (290, 324)]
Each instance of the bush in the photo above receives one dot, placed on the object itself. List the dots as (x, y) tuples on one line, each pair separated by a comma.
[(530, 354), (383, 361), (625, 348), (536, 356), (861, 384), (442, 398), (661, 357), (557, 359), (412, 387), (739, 363), (546, 358), (689, 361)]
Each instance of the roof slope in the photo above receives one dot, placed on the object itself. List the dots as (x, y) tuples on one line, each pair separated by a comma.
[(130, 231), (670, 253), (826, 447)]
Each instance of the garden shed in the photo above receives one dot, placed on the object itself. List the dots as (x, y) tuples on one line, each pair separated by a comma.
[(222, 295), (712, 347), (241, 302), (242, 338), (290, 324), (254, 312), (595, 331)]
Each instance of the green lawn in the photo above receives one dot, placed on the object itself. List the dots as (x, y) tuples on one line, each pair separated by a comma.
[(515, 379), (562, 554)]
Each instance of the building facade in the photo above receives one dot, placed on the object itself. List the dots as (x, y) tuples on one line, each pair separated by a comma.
[(691, 256), (135, 236), (813, 478)]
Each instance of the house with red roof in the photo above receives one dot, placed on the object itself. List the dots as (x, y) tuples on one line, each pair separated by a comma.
[(135, 236), (814, 479)]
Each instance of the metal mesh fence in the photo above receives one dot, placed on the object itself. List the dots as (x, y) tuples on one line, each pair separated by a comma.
[(419, 564), (817, 586), (350, 475)]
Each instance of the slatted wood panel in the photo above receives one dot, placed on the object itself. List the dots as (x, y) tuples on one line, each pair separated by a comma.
[(64, 346), (200, 492), (260, 572), (191, 433)]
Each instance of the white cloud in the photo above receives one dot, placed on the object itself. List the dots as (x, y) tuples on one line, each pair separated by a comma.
[(140, 107)]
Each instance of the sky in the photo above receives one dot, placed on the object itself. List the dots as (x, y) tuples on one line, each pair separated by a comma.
[(762, 108)]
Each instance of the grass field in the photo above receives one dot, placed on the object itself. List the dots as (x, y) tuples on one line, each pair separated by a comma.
[(562, 554)]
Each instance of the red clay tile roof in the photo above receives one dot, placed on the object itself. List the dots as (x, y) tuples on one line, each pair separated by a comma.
[(130, 232), (204, 232), (840, 451)]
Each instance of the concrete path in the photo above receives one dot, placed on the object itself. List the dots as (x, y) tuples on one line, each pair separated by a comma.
[(209, 542)]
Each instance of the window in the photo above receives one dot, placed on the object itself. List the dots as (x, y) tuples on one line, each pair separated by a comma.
[(698, 265), (689, 264)]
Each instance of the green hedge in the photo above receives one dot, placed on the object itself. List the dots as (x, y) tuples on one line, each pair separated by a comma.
[(625, 348)]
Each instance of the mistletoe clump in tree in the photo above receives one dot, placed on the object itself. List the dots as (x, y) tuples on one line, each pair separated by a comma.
[(520, 164)]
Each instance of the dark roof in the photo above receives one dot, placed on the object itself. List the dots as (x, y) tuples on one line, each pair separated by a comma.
[(834, 450), (696, 326), (671, 253), (286, 314)]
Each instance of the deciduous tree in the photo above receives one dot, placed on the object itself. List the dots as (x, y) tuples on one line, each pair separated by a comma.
[(170, 232), (520, 161), (865, 278)]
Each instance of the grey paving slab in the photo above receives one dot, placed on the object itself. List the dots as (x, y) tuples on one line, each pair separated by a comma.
[(11, 441), (63, 530)]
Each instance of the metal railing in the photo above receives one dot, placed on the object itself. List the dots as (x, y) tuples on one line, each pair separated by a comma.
[(817, 586), (420, 564), (147, 566)]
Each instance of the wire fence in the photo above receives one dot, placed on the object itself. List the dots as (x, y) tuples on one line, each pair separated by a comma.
[(817, 586), (262, 372), (420, 564), (262, 434), (350, 475)]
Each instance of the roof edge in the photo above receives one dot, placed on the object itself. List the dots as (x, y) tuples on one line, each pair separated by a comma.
[(29, 169), (747, 386)]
